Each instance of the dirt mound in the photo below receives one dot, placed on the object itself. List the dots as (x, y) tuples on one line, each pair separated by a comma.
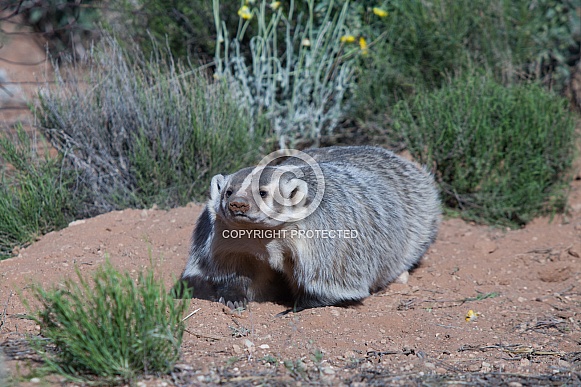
[(522, 286)]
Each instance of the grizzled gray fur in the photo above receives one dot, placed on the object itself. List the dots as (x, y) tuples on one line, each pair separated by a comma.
[(392, 206)]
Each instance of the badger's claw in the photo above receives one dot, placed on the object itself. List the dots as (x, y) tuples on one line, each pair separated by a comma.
[(234, 306)]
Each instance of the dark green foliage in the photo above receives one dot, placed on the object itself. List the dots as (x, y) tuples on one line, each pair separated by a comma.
[(427, 41), (148, 131), (558, 37), (185, 26), (67, 25), (111, 328), (36, 195), (501, 154)]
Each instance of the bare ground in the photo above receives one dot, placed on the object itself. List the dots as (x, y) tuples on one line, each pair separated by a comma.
[(523, 286)]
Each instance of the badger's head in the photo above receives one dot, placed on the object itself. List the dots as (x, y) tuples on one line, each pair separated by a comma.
[(263, 197)]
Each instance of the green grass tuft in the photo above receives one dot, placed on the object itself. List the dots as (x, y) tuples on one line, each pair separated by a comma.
[(110, 329), (501, 154), (36, 195)]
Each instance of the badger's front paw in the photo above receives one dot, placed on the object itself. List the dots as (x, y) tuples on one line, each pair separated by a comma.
[(234, 306)]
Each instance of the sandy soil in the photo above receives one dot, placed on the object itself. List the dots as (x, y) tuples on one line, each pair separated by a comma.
[(524, 287)]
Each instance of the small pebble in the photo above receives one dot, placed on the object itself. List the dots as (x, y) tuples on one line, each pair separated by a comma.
[(328, 371)]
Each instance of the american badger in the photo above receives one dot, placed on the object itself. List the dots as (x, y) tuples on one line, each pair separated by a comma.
[(325, 227)]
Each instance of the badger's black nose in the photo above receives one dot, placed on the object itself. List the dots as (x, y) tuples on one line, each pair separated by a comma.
[(239, 206)]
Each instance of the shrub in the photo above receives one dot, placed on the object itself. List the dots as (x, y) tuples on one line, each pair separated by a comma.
[(501, 154), (143, 132), (427, 41), (299, 71), (186, 27), (67, 25), (111, 329), (36, 194)]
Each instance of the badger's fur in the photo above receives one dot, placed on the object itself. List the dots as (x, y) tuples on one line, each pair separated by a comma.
[(383, 210)]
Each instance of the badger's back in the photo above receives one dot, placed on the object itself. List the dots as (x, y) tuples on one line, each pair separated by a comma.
[(391, 205)]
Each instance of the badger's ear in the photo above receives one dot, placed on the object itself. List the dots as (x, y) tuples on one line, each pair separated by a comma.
[(294, 191), (216, 186)]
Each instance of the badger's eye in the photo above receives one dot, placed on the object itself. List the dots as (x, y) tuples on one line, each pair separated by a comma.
[(263, 194), (228, 193)]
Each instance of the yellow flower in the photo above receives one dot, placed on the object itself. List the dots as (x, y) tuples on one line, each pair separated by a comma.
[(471, 316), (274, 5), (363, 45), (380, 12), (347, 39), (244, 12)]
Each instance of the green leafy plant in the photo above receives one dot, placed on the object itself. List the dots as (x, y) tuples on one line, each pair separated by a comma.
[(111, 328), (501, 154)]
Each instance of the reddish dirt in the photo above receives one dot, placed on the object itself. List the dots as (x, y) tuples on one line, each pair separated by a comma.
[(524, 286)]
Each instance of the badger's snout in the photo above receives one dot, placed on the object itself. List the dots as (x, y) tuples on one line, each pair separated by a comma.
[(239, 206)]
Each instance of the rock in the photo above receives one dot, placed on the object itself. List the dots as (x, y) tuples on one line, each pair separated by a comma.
[(403, 278), (486, 367), (328, 370), (77, 222)]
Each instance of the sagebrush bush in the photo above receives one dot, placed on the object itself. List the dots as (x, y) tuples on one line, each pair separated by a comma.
[(298, 73), (501, 154), (36, 195), (109, 328), (146, 131)]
